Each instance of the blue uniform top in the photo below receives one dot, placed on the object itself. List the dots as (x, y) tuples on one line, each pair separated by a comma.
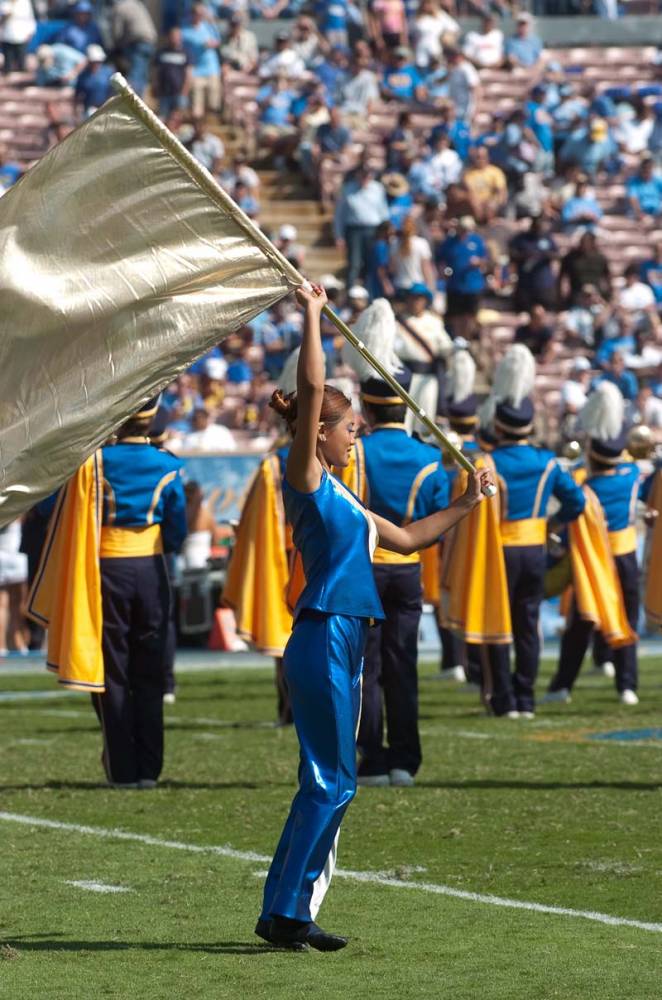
[(528, 477), (142, 485), (406, 480), (335, 535), (617, 490)]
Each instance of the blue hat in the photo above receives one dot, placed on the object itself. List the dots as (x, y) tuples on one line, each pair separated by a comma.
[(83, 7), (420, 289), (463, 412), (516, 421), (610, 452), (375, 390)]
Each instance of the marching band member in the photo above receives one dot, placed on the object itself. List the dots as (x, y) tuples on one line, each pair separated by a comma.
[(615, 481), (323, 659), (404, 480), (528, 477)]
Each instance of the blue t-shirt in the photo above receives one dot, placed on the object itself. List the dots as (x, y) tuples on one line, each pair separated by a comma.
[(9, 174), (626, 381), (402, 82), (80, 36), (239, 371), (647, 193), (205, 61), (378, 257), (278, 110), (331, 16), (525, 50), (577, 208), (456, 252), (651, 272), (459, 134), (539, 121), (94, 88)]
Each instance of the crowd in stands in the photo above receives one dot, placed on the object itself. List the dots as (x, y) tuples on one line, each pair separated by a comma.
[(461, 215)]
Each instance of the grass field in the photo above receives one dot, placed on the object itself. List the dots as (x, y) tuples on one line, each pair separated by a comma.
[(537, 812)]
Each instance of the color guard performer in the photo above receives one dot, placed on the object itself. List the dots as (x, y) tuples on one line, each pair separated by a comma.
[(403, 480), (527, 477), (323, 659), (615, 480)]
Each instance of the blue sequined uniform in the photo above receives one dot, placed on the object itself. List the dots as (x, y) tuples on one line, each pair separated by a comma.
[(323, 662)]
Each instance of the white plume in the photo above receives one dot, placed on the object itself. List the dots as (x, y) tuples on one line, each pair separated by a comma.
[(376, 327), (461, 376), (515, 375), (486, 412), (288, 377), (603, 412)]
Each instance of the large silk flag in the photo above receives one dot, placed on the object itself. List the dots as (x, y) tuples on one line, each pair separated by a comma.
[(121, 261)]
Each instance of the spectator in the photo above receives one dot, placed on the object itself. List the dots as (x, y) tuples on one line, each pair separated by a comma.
[(17, 26), (82, 30), (400, 142), (380, 278), (9, 172), (207, 147), (239, 49), (361, 207), (240, 173), (433, 28), (574, 391), (591, 147), (277, 129), (463, 84), (288, 246), (462, 261), (539, 121), (431, 175), (245, 198), (524, 48), (584, 265), (537, 333), (269, 9), (202, 42), (388, 23), (616, 372), (581, 209), (285, 59), (332, 138), (411, 260), (635, 127), (650, 271), (205, 435), (649, 410), (644, 190), (637, 298), (333, 73), (487, 186), (308, 43), (423, 345), (134, 36), (358, 299), (457, 129), (485, 48), (332, 18), (400, 201), (588, 318), (59, 65), (516, 149), (93, 85), (13, 577), (401, 80), (533, 253), (360, 91), (172, 75), (435, 81)]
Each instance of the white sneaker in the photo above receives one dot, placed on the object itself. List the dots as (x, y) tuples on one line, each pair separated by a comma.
[(562, 695), (373, 781), (629, 697), (169, 698), (513, 714), (606, 669), (527, 715), (453, 674), (401, 778)]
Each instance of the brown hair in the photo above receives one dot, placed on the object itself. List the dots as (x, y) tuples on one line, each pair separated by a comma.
[(334, 405), (193, 494)]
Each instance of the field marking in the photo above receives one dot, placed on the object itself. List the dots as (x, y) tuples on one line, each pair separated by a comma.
[(97, 886), (373, 878), (33, 695)]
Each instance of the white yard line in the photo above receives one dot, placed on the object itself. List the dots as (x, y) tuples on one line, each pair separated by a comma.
[(373, 878), (97, 887), (34, 695)]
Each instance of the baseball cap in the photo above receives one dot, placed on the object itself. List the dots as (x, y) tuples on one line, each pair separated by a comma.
[(329, 281), (358, 292), (287, 232), (581, 364), (95, 53)]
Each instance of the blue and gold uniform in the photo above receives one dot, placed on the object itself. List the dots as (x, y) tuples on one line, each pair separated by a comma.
[(144, 516), (405, 481), (322, 662), (617, 484), (528, 477)]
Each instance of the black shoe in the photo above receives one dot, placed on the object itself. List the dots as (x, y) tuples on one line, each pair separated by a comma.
[(263, 930), (285, 932)]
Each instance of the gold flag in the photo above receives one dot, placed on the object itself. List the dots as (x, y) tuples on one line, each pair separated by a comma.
[(121, 261)]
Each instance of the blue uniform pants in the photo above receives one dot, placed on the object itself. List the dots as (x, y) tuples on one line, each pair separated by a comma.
[(322, 663), (578, 633), (525, 570)]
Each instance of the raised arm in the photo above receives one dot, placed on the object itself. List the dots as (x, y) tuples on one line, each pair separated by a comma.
[(304, 471), (420, 534)]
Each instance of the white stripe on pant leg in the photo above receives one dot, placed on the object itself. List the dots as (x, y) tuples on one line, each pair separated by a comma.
[(374, 878), (323, 880)]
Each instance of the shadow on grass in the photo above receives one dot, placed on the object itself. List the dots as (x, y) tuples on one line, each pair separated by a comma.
[(87, 786), (56, 942), (487, 784)]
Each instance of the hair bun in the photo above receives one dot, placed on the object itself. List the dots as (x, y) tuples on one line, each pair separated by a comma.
[(284, 404)]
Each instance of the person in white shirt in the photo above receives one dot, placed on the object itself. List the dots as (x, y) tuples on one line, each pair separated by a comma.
[(433, 28), (484, 48), (463, 84), (574, 391), (17, 26), (412, 259), (205, 436), (636, 297), (284, 60)]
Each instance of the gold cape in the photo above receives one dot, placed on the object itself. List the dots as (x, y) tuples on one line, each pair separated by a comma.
[(474, 588), (258, 575), (595, 580), (66, 594), (653, 594)]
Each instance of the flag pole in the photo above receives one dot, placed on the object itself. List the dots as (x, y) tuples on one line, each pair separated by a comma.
[(205, 180)]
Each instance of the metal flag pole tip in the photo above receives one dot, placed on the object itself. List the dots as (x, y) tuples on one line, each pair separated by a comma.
[(289, 272)]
